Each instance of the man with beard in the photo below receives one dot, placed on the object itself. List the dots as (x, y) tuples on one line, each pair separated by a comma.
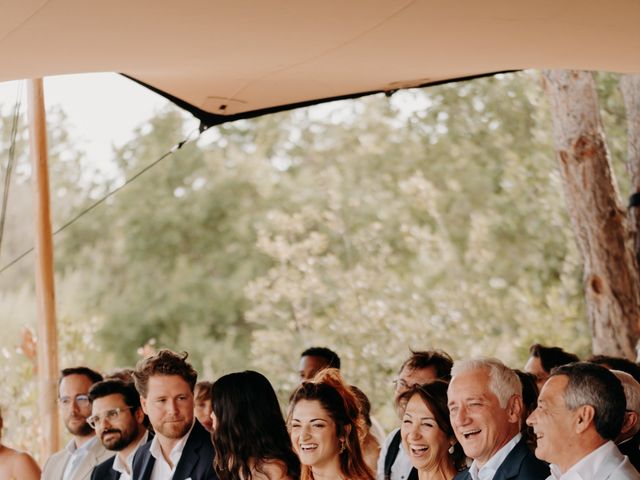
[(181, 447), (118, 420), (84, 451)]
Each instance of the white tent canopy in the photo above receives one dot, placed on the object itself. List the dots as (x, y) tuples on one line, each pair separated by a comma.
[(226, 59)]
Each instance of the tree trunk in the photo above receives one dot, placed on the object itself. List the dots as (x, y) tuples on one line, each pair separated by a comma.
[(611, 279), (630, 88)]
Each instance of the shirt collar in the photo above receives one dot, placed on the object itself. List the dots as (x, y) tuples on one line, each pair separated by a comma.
[(125, 467), (587, 466), (490, 468), (156, 451), (72, 448)]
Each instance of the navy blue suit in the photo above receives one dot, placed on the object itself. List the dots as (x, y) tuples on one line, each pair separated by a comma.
[(520, 464), (196, 461), (105, 471)]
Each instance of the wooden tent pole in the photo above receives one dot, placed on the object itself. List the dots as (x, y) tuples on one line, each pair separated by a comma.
[(47, 343)]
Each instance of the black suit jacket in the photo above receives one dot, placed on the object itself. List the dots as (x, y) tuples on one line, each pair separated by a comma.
[(105, 471), (631, 448), (520, 464), (196, 461)]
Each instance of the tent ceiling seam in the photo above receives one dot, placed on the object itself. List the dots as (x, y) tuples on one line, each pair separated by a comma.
[(23, 22), (325, 52)]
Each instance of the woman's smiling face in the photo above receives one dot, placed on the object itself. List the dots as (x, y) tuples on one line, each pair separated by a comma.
[(314, 435), (422, 439)]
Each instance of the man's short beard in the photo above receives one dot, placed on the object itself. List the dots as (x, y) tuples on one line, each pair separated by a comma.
[(173, 431), (123, 441), (82, 430)]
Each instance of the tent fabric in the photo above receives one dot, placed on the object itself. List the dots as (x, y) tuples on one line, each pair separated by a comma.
[(225, 59)]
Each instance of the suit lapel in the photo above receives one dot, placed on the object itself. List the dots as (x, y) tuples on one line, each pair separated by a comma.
[(90, 460), (57, 464), (510, 467), (190, 455), (62, 465), (147, 466)]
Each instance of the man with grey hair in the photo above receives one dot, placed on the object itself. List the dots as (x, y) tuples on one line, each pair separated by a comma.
[(580, 412), (485, 406), (628, 441)]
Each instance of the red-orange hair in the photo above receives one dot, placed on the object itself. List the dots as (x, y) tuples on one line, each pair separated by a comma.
[(343, 407)]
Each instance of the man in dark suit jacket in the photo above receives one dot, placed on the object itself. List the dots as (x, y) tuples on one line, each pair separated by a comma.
[(631, 448), (181, 448), (485, 407), (520, 463), (119, 423), (105, 470), (196, 461)]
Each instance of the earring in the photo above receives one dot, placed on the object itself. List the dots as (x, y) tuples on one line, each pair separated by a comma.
[(451, 449), (341, 446)]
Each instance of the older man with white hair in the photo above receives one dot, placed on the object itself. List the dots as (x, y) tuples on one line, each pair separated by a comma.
[(485, 407), (628, 441)]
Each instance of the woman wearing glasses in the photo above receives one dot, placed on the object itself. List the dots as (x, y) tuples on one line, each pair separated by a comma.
[(249, 434), (326, 425)]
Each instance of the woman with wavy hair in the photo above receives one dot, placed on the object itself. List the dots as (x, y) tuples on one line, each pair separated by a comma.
[(326, 426), (427, 435), (250, 436)]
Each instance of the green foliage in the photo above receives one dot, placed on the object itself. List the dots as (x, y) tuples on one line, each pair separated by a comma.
[(444, 229), (434, 219)]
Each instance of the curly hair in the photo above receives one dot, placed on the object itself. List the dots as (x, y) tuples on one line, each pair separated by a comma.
[(165, 362), (342, 405), (250, 429)]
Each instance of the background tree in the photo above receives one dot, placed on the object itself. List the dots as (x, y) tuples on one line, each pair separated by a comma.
[(431, 219), (611, 277)]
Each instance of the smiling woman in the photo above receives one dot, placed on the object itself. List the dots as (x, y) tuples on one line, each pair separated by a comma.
[(427, 434), (325, 426)]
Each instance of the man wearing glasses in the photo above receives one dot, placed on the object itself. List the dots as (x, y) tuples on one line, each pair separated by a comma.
[(421, 367), (84, 451), (118, 421)]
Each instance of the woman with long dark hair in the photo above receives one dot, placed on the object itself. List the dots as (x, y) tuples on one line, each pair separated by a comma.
[(325, 424), (427, 434), (250, 436)]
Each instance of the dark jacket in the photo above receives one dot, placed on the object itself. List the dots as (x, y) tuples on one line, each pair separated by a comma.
[(196, 461), (105, 471), (520, 464), (631, 448)]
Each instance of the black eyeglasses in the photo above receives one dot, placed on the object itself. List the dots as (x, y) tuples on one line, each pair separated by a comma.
[(111, 415)]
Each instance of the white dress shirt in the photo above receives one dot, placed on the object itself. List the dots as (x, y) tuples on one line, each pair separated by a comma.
[(587, 467), (77, 455), (161, 469), (125, 468), (489, 469), (402, 465)]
